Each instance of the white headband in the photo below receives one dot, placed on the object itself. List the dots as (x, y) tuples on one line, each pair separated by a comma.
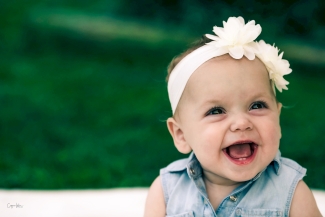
[(236, 39)]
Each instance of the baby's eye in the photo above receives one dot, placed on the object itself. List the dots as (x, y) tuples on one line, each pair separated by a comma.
[(215, 111), (258, 105)]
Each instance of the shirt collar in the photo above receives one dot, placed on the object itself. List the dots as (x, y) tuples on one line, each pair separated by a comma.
[(194, 169), (277, 165)]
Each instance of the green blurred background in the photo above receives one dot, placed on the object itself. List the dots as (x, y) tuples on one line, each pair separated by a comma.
[(83, 100)]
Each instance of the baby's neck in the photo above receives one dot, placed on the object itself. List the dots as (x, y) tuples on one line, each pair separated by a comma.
[(217, 191), (218, 180)]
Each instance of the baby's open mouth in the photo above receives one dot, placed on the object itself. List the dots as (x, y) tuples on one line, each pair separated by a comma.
[(241, 152)]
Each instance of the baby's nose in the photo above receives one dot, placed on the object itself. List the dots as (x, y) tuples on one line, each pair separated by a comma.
[(241, 123)]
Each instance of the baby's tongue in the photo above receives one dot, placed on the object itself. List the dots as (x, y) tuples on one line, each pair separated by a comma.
[(239, 150)]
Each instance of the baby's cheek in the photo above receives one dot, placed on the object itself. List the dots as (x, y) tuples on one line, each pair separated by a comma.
[(277, 131), (275, 136), (272, 127), (212, 137)]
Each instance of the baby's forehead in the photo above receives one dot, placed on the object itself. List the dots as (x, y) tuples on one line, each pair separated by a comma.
[(225, 72), (225, 67)]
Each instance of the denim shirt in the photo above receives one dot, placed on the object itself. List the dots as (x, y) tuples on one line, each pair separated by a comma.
[(269, 193)]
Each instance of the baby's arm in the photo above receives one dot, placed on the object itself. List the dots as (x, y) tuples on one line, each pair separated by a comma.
[(303, 202), (155, 204)]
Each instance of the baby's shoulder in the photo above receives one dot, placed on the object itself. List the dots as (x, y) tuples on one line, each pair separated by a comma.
[(172, 176), (289, 164), (176, 166), (279, 178)]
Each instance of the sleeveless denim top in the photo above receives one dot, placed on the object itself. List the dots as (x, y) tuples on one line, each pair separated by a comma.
[(269, 193)]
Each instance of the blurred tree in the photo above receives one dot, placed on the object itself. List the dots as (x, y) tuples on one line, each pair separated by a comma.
[(77, 115), (301, 18), (292, 17)]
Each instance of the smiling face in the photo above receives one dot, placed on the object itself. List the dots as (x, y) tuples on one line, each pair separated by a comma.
[(229, 117)]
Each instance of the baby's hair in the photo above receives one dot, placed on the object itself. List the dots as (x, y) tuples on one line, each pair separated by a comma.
[(195, 45)]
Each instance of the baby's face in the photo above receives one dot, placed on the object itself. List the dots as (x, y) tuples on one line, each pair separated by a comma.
[(230, 118)]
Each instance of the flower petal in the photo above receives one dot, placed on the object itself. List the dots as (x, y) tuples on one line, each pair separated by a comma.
[(220, 32), (241, 20), (236, 52), (250, 55), (212, 37), (252, 46)]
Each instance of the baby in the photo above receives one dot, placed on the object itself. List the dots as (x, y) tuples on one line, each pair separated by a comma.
[(225, 113)]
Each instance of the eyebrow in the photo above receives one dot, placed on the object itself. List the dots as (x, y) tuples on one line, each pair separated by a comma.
[(263, 95), (217, 102), (209, 103)]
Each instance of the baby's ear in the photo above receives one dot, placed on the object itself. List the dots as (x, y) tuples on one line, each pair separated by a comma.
[(178, 136)]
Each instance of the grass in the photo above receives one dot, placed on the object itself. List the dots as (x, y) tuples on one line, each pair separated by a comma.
[(76, 116), (82, 121)]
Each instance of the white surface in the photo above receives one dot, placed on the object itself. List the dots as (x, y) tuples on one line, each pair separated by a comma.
[(84, 203), (320, 200), (127, 202)]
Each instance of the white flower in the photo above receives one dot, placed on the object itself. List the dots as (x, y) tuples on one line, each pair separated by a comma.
[(276, 66), (236, 38)]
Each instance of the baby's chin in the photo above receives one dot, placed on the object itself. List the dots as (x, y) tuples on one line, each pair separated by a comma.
[(239, 177)]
